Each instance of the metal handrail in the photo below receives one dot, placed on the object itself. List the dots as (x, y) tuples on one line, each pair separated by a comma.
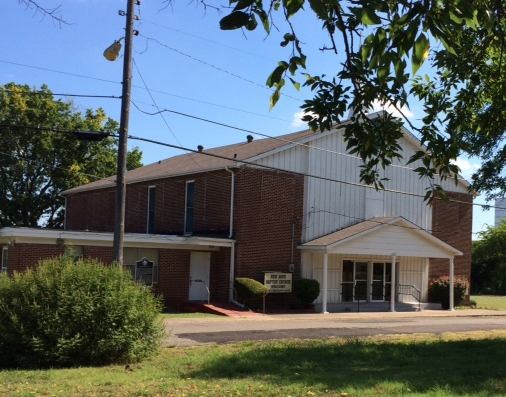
[(207, 288), (353, 295), (411, 288)]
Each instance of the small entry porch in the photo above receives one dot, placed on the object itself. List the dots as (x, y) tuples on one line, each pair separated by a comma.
[(377, 265)]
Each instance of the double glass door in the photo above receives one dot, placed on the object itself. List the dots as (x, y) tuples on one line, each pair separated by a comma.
[(366, 281)]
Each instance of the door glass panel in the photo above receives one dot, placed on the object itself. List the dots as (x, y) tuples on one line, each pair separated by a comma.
[(377, 271), (361, 271), (361, 290), (388, 272), (347, 271), (347, 295), (377, 290)]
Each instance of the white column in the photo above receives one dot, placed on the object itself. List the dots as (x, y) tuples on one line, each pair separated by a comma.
[(452, 277), (325, 282), (393, 284)]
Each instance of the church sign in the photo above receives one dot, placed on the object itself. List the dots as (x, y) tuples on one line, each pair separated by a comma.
[(278, 282)]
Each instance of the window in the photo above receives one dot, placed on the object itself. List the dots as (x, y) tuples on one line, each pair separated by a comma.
[(145, 275), (151, 209), (5, 257), (190, 203)]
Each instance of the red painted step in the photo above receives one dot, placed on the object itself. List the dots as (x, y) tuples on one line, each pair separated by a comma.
[(219, 308)]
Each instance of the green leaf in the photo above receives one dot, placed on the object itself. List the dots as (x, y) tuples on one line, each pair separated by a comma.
[(276, 94), (275, 76), (295, 84), (235, 20), (292, 6), (420, 52), (409, 39), (252, 24), (366, 15), (242, 4), (320, 8), (264, 18)]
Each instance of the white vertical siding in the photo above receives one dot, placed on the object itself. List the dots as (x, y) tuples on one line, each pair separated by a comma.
[(412, 271), (330, 206)]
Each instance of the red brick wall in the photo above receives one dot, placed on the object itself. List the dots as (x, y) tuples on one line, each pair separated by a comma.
[(174, 276), (94, 210), (452, 222), (24, 256), (268, 209)]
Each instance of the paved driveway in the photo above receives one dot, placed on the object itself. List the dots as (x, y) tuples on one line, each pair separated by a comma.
[(187, 332)]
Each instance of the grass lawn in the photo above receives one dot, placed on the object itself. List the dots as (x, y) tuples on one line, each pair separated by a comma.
[(472, 364), (490, 302)]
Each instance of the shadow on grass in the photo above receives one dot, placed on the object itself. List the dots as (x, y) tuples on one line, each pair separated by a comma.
[(459, 367)]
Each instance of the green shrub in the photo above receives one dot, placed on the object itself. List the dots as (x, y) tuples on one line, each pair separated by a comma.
[(306, 290), (249, 289), (439, 291), (67, 313)]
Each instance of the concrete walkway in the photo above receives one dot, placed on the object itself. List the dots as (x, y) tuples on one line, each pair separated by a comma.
[(196, 331)]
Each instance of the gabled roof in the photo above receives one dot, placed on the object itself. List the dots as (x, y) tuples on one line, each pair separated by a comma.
[(195, 162), (383, 236)]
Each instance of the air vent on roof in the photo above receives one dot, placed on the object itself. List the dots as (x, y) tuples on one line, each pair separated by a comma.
[(249, 138)]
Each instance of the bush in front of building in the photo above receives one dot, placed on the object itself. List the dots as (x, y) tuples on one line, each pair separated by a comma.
[(249, 290), (306, 290), (439, 291), (67, 313)]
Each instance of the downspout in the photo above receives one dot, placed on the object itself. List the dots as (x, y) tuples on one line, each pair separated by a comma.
[(232, 249)]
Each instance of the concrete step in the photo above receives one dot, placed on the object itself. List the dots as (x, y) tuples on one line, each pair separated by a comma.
[(377, 307)]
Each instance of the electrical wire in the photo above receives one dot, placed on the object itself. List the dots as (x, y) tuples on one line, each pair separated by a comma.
[(152, 90), (267, 136), (208, 40), (163, 118), (272, 168), (54, 94), (212, 66)]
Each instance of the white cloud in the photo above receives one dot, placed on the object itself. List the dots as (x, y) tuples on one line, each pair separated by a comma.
[(388, 107), (466, 166), (297, 123)]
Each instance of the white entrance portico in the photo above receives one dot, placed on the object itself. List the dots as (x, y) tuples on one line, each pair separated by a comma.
[(381, 261)]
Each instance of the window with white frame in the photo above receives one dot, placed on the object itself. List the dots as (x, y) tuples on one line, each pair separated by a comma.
[(5, 259), (151, 209), (190, 204), (133, 255)]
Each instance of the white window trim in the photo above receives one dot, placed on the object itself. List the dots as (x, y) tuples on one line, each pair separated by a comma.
[(5, 265), (185, 204), (147, 215)]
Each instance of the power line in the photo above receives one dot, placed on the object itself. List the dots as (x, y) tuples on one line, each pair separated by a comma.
[(161, 113), (209, 41), (54, 94), (211, 65), (303, 174), (271, 167), (152, 90), (265, 135), (54, 166)]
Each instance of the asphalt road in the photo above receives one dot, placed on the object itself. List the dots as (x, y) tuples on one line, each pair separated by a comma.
[(188, 332)]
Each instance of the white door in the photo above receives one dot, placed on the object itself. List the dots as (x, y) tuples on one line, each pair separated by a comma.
[(199, 275)]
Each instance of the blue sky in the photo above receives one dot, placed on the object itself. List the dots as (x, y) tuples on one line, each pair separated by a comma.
[(188, 73)]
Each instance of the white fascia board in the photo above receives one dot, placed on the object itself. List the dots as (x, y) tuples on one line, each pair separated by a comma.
[(414, 227), (43, 236), (138, 180)]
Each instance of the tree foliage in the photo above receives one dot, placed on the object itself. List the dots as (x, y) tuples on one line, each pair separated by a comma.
[(385, 44), (36, 166), (489, 261)]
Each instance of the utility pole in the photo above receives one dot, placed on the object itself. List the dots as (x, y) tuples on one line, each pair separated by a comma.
[(119, 220)]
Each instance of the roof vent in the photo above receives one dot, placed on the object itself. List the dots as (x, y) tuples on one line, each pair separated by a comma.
[(200, 148), (249, 138)]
